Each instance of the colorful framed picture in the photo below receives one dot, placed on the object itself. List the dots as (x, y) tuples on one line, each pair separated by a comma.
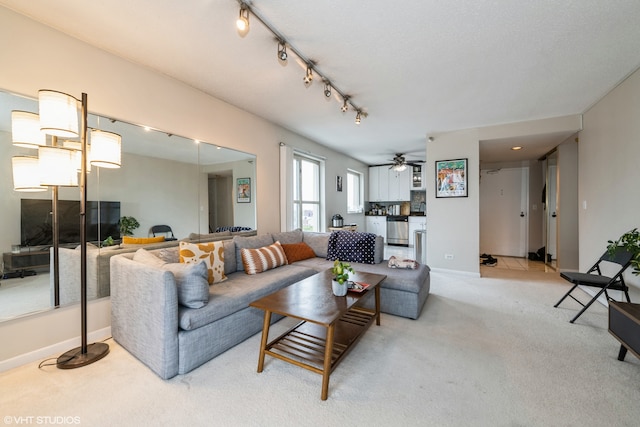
[(244, 190), (451, 178)]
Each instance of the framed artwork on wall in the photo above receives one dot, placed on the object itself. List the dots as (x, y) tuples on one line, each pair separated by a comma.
[(244, 190), (451, 178), (338, 183)]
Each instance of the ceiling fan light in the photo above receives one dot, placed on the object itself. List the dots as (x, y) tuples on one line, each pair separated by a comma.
[(400, 167), (358, 118), (58, 113)]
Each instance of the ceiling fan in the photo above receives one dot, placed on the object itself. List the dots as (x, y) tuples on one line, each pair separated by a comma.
[(400, 163)]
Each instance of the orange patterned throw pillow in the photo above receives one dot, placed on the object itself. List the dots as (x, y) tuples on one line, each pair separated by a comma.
[(263, 259), (297, 251), (212, 254)]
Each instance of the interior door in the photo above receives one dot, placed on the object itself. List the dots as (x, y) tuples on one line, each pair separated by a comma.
[(503, 207)]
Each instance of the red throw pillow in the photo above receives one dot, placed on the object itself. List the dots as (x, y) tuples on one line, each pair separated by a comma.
[(298, 251)]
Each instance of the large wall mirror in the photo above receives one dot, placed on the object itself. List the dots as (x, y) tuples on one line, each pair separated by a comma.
[(194, 187)]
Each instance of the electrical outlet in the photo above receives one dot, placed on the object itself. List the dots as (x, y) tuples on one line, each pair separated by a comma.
[(448, 256)]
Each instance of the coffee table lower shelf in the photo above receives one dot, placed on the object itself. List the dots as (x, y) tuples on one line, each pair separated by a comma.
[(319, 348)]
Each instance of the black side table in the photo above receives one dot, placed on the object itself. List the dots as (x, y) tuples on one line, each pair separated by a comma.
[(624, 324)]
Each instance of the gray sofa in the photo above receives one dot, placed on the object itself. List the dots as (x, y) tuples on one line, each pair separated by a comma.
[(98, 260), (172, 339)]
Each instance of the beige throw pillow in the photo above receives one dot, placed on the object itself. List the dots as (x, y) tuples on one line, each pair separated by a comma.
[(212, 254)]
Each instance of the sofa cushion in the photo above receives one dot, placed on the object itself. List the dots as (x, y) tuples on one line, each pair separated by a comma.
[(288, 237), (262, 259), (236, 293), (251, 242), (191, 279), (212, 254), (319, 242), (297, 251), (142, 240), (206, 237)]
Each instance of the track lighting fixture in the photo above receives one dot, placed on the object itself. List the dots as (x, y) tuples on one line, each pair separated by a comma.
[(285, 48), (282, 51), (345, 105), (242, 24), (308, 76), (327, 89)]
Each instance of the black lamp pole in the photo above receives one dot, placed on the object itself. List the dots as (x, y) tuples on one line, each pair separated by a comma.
[(85, 354)]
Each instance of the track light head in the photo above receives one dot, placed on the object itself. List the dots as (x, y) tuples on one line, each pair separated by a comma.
[(282, 51), (345, 105), (308, 77), (327, 89), (242, 23), (358, 117)]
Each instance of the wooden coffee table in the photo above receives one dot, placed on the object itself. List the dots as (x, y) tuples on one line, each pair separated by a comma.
[(330, 326)]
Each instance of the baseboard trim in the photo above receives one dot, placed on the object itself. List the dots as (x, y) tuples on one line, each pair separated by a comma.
[(456, 272), (52, 350)]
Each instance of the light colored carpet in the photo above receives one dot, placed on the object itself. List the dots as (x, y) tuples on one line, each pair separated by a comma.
[(486, 351)]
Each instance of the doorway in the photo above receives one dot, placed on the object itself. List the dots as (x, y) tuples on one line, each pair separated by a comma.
[(504, 198)]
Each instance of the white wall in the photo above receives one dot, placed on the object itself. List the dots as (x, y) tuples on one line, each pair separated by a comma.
[(453, 225), (567, 207), (39, 57), (609, 152)]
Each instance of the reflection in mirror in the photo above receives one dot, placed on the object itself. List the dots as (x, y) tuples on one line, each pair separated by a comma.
[(164, 180), (551, 217)]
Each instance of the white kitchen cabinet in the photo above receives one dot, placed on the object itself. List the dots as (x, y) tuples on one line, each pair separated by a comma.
[(399, 185), (378, 184), (416, 223), (417, 178), (377, 225)]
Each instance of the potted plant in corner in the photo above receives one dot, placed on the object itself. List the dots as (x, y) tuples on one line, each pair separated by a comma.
[(630, 241), (127, 224), (340, 272)]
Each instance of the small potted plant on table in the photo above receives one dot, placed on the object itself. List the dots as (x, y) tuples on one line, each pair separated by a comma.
[(340, 271)]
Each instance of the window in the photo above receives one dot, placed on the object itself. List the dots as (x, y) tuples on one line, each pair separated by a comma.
[(355, 189), (306, 193)]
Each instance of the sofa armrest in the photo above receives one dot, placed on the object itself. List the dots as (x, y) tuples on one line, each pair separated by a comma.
[(144, 313)]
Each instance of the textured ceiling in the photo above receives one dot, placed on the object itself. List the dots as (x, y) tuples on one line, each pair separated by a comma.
[(417, 67)]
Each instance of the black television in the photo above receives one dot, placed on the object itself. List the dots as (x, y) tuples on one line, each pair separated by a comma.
[(36, 221)]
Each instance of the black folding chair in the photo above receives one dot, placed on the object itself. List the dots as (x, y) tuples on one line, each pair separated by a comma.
[(595, 277), (163, 229)]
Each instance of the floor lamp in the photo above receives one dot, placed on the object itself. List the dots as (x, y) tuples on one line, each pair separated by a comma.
[(57, 166)]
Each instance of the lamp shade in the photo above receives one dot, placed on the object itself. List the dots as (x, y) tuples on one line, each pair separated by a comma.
[(105, 149), (77, 148), (58, 113), (25, 130), (57, 166), (25, 174)]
